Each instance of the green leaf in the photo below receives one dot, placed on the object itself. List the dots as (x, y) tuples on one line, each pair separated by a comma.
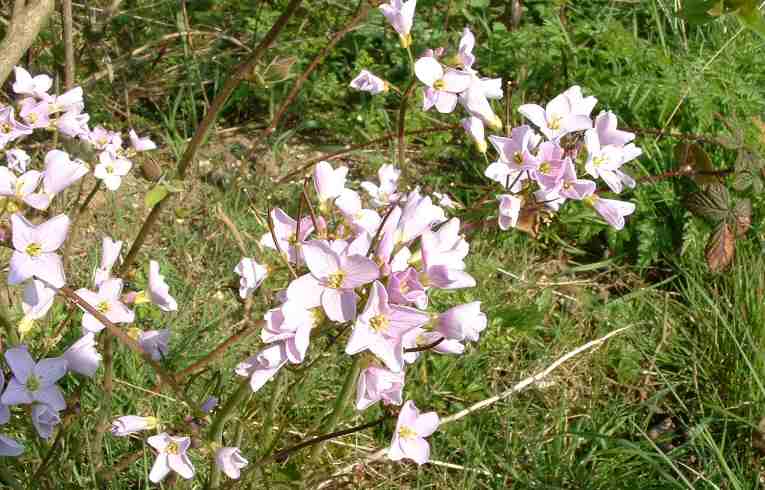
[(155, 195), (711, 203), (700, 11), (720, 248), (743, 180), (751, 17)]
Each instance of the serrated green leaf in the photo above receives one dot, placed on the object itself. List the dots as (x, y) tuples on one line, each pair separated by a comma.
[(711, 203), (155, 195), (743, 180)]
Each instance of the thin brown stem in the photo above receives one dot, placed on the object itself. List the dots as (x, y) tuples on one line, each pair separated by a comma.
[(314, 220), (351, 148), (146, 228), (284, 255), (69, 67), (361, 12), (106, 400), (425, 347)]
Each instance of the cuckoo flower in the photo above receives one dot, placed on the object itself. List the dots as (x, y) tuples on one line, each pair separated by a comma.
[(153, 342), (73, 123), (285, 229), (35, 114), (411, 430), (386, 193), (473, 126), (291, 323), (380, 326), (517, 149), (611, 210), (109, 255), (446, 245), (107, 302), (10, 128), (60, 172), (465, 52), (419, 338), (251, 276), (329, 182), (443, 266), (418, 215), (360, 219), (35, 246), (159, 291), (33, 382), (367, 81), (573, 188), (171, 457), (17, 160), (332, 279), (82, 357), (400, 15), (21, 188), (103, 139), (45, 419), (132, 424), (230, 461), (26, 84), (263, 366), (605, 161), (69, 101), (376, 384), (404, 287), (443, 86), (141, 144), (509, 210), (36, 300), (111, 169), (567, 112), (605, 125), (475, 99), (10, 447), (462, 322)]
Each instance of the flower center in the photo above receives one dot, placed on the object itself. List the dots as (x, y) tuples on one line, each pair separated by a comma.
[(335, 279), (32, 117), (379, 323), (518, 157), (33, 384), (439, 84), (102, 141), (34, 249), (172, 448), (590, 200), (554, 122), (6, 128), (109, 169), (599, 160), (545, 168), (134, 333), (406, 432), (103, 307)]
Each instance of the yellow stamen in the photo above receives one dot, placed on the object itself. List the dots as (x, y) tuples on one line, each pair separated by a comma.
[(34, 249), (406, 433), (379, 323)]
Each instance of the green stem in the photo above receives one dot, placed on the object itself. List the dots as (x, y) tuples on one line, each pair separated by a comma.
[(216, 428), (276, 398), (340, 402), (10, 329)]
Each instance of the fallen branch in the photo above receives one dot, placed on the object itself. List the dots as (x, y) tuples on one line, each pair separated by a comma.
[(27, 20)]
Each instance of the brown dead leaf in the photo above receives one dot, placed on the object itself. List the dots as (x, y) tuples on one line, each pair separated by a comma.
[(720, 248)]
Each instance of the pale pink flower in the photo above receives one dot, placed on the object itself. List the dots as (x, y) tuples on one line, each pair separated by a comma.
[(285, 229), (82, 356), (465, 50), (444, 267), (291, 324), (376, 384), (141, 144), (611, 210), (73, 123), (386, 193), (605, 125), (380, 326), (107, 302), (251, 275), (132, 424), (155, 342), (517, 149), (473, 126), (509, 210), (35, 114), (566, 113), (21, 188), (37, 299), (360, 219), (332, 279), (17, 160), (411, 430), (171, 457), (109, 255), (404, 287), (45, 419), (103, 139), (10, 447), (26, 84), (475, 99), (5, 412), (462, 322), (442, 85), (400, 15), (418, 215), (159, 291), (329, 182), (230, 461), (367, 81), (69, 101), (263, 366), (111, 168), (33, 382), (35, 246), (60, 172), (605, 161), (573, 188), (548, 165), (10, 128)]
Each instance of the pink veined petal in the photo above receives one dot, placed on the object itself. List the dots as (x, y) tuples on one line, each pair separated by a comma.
[(16, 394), (159, 441), (391, 353), (24, 232), (429, 98), (612, 180), (10, 447), (535, 114), (110, 289), (181, 464), (53, 232), (560, 106), (449, 346), (395, 453), (29, 182), (284, 226), (7, 182), (48, 371), (340, 306), (49, 268), (456, 81), (609, 213), (445, 102), (38, 201), (51, 396), (360, 338), (428, 70), (91, 324), (407, 317), (577, 123), (302, 341), (262, 375), (358, 270), (320, 259), (427, 423), (498, 172), (119, 313), (20, 362), (21, 268), (416, 449), (408, 415), (160, 469), (306, 291)]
